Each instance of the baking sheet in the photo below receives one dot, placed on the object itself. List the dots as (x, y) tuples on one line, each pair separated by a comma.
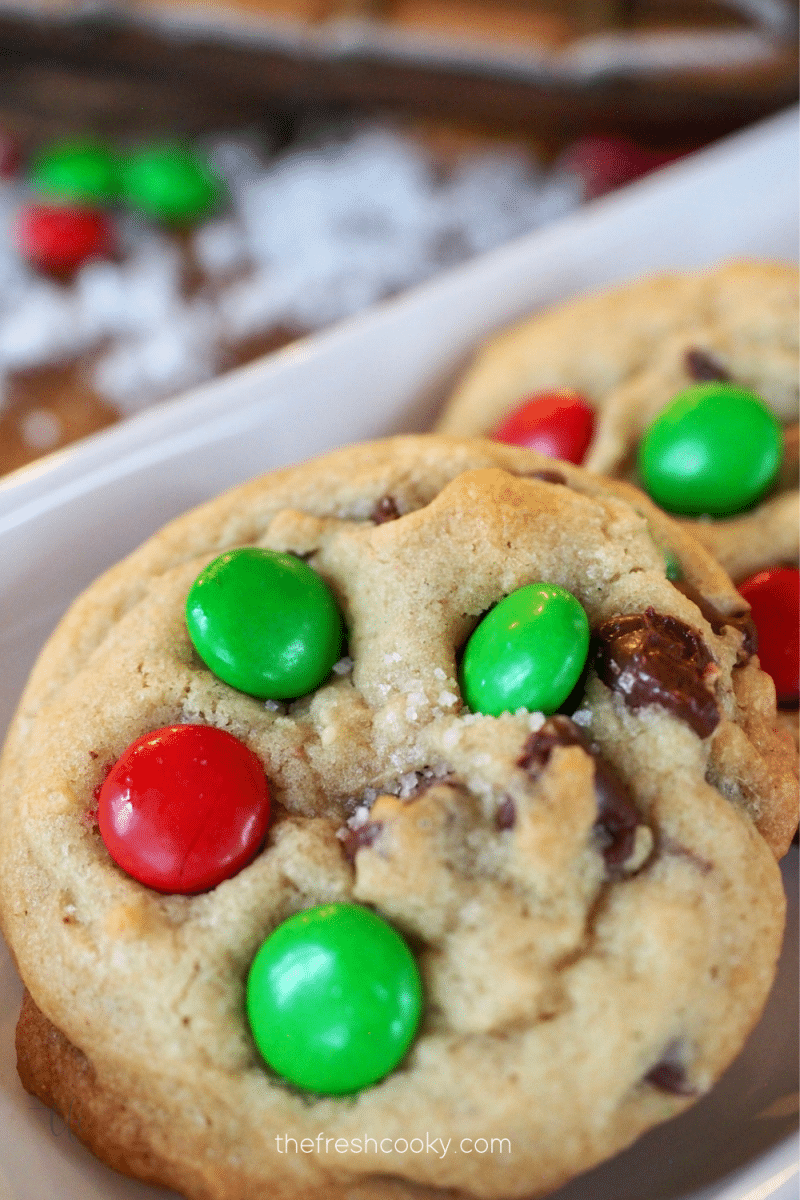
[(65, 518)]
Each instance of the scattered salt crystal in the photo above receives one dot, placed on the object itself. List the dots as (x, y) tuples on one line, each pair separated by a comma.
[(359, 817), (535, 721), (450, 737), (447, 699), (273, 705), (582, 716), (407, 784), (344, 666)]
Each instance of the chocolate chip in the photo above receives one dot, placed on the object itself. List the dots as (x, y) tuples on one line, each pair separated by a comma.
[(506, 814), (669, 1075), (556, 731), (740, 620), (617, 815), (653, 658), (385, 510), (356, 839), (704, 367), (548, 476)]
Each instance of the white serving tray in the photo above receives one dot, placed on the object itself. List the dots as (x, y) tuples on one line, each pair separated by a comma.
[(67, 517)]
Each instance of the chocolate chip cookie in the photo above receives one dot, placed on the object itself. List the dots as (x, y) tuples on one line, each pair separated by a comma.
[(522, 929)]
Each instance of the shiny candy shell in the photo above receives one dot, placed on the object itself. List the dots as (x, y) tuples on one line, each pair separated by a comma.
[(559, 424), (334, 998), (714, 450), (774, 598), (527, 652), (169, 182), (184, 808), (59, 239), (82, 172), (265, 623)]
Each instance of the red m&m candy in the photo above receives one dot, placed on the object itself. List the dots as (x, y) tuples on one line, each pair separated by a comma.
[(559, 424), (774, 598), (184, 808), (60, 239)]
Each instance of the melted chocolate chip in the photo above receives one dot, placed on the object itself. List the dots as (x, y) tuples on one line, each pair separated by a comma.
[(385, 510), (506, 814), (704, 367), (556, 731), (617, 815), (653, 658), (718, 620), (356, 839)]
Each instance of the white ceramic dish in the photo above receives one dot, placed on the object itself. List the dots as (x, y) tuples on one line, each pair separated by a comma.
[(66, 518)]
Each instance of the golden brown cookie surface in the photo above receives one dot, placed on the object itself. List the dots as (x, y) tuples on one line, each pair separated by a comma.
[(630, 349)]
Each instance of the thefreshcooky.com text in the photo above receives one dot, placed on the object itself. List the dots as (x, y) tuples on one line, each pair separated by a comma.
[(287, 1144)]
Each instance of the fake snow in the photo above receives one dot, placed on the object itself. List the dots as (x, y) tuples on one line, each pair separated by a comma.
[(309, 237)]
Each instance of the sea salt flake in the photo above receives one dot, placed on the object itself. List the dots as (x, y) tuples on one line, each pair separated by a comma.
[(583, 717)]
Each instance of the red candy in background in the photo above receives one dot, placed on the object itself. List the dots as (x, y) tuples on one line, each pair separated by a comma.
[(184, 808), (59, 239), (559, 424), (605, 162), (774, 597)]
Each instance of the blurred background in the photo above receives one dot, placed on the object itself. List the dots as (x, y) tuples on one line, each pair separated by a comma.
[(187, 185)]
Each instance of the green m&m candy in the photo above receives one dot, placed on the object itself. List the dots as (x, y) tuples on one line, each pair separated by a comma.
[(527, 652), (334, 999), (170, 182), (265, 623), (80, 172), (714, 450)]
